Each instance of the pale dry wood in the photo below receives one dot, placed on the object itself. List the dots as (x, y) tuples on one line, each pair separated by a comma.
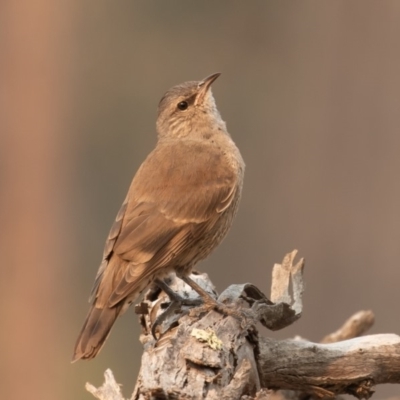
[(206, 355), (353, 366), (110, 390), (356, 325)]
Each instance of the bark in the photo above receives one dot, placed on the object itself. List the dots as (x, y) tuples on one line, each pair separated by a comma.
[(204, 354)]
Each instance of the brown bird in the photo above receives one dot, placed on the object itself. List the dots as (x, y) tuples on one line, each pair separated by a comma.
[(179, 207)]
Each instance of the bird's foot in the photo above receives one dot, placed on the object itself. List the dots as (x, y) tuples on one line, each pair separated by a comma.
[(245, 316), (201, 305)]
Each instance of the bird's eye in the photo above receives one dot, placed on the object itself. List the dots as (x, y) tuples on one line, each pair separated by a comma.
[(183, 105)]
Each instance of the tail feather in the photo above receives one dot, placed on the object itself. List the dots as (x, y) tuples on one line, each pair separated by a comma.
[(95, 331)]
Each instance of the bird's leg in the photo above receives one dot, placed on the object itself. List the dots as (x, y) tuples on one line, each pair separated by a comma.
[(206, 301), (210, 302), (177, 302), (175, 297), (207, 298)]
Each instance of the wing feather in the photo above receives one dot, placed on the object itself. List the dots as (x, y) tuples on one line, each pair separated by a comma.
[(166, 211), (108, 247)]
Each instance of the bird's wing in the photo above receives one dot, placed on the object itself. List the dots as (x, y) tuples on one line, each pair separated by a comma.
[(170, 203), (108, 247)]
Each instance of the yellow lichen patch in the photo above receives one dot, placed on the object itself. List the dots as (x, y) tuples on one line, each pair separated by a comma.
[(208, 336)]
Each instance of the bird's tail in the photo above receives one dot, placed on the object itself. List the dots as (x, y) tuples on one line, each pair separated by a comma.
[(95, 331)]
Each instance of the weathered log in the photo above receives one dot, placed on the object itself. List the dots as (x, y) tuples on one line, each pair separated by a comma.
[(204, 354)]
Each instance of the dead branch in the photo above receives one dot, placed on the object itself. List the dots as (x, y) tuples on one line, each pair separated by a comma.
[(110, 390), (356, 325), (353, 366), (206, 355)]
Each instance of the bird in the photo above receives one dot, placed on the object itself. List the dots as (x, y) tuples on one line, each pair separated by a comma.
[(179, 207)]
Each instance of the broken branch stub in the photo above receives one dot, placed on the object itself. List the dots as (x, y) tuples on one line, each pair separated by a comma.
[(283, 308)]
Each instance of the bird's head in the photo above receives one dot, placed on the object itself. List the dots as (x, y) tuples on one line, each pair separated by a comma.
[(187, 107)]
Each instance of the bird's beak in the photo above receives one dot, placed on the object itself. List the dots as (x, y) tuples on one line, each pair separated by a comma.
[(204, 86)]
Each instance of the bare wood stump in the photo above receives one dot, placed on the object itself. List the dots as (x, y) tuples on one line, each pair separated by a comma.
[(204, 354)]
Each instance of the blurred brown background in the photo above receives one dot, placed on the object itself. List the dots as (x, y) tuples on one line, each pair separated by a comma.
[(310, 91)]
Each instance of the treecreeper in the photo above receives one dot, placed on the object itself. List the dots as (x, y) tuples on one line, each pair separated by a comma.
[(179, 207)]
